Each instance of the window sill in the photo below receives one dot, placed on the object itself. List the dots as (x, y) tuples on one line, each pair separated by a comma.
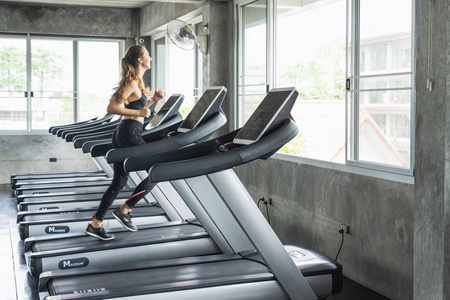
[(408, 179)]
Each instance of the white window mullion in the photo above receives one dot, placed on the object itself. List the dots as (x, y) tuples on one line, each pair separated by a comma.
[(28, 59), (76, 81)]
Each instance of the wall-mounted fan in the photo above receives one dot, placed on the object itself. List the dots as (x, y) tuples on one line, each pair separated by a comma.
[(183, 35)]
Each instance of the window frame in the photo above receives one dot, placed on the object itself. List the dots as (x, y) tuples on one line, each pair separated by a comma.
[(350, 165), (352, 149), (76, 102)]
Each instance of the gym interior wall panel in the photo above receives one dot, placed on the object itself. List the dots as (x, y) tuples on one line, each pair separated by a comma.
[(32, 153), (310, 203), (156, 15), (66, 20)]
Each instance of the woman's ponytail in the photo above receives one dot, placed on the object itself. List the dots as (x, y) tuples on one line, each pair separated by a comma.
[(129, 73)]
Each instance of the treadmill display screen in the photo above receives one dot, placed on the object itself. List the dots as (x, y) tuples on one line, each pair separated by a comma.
[(163, 112), (263, 116), (200, 109)]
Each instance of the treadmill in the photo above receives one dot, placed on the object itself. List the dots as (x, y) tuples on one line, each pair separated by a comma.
[(171, 116), (205, 118), (166, 116), (39, 185), (40, 176), (254, 263), (78, 134)]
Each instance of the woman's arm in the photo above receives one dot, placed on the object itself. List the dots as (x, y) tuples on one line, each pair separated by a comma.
[(115, 105)]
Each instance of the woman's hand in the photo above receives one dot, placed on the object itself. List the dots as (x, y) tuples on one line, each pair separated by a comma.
[(157, 95), (144, 112)]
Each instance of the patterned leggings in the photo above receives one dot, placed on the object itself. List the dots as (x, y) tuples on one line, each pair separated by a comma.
[(127, 134)]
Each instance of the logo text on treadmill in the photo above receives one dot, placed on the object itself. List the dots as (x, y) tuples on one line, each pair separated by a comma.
[(57, 229), (73, 263)]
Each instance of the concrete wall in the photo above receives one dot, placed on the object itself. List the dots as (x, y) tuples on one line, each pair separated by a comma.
[(67, 20), (432, 202), (31, 154), (310, 204), (156, 15)]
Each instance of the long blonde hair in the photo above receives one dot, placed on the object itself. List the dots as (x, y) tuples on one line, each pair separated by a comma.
[(129, 73)]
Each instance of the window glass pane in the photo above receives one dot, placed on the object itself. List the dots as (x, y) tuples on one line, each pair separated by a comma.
[(98, 76), (252, 59), (13, 103), (384, 90), (385, 36), (384, 127), (181, 79), (310, 48), (199, 65), (159, 63), (52, 82)]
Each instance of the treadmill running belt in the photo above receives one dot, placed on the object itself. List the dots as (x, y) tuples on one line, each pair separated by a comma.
[(125, 238), (80, 197), (160, 279), (83, 215)]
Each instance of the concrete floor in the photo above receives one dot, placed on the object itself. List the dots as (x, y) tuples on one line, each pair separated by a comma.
[(20, 285)]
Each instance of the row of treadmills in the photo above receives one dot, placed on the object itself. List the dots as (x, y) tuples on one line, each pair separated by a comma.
[(201, 236)]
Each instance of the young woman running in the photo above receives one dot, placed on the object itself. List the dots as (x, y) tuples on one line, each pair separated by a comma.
[(132, 92)]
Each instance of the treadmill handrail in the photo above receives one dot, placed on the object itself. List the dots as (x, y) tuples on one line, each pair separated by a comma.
[(69, 135), (172, 165), (54, 129), (200, 133), (80, 141), (109, 118), (102, 148)]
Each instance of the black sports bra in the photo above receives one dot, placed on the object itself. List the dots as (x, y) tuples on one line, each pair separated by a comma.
[(137, 104)]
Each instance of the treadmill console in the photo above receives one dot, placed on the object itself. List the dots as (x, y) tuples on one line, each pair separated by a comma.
[(201, 108), (264, 115), (166, 111)]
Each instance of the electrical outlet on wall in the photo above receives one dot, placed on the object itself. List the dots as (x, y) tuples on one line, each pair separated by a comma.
[(344, 229)]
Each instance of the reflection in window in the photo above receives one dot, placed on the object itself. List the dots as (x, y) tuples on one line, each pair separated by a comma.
[(313, 60), (253, 58), (51, 83), (54, 93), (96, 89), (13, 102)]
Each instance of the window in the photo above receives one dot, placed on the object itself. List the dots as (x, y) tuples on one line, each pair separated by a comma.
[(49, 81), (252, 77), (380, 85), (13, 84), (52, 87), (310, 55), (178, 71), (351, 62), (96, 88)]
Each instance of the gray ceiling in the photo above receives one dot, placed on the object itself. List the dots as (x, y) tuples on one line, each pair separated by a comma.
[(106, 3)]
